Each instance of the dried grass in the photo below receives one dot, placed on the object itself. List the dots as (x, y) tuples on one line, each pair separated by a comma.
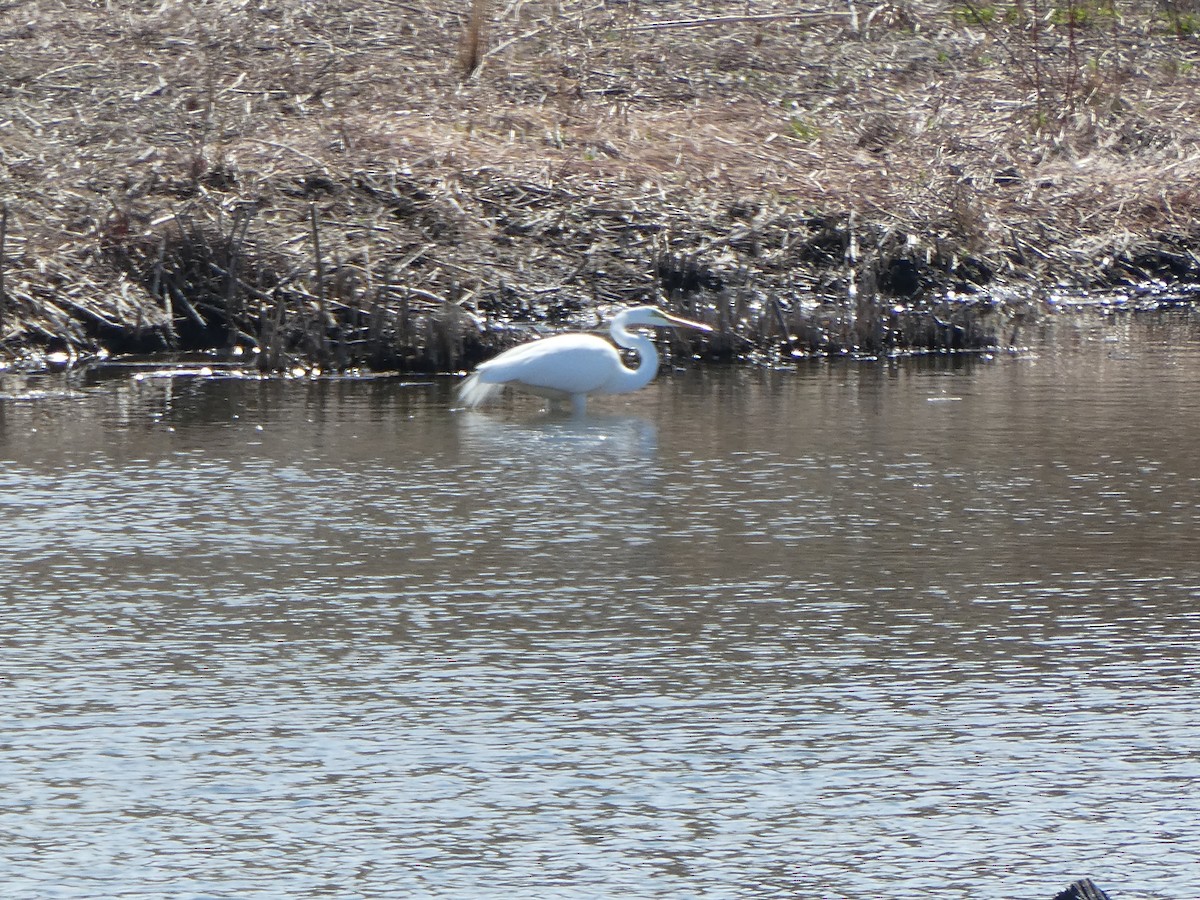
[(164, 164)]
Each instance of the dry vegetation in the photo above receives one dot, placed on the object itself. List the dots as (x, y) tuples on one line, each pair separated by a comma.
[(364, 183)]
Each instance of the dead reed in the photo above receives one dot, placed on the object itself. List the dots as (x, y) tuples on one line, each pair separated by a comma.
[(471, 48), (3, 242), (325, 188)]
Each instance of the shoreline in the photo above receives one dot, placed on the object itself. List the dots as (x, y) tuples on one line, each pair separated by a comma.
[(338, 190)]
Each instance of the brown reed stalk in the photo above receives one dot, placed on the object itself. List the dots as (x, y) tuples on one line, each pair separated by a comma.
[(471, 45), (156, 290), (3, 240), (233, 251), (322, 341)]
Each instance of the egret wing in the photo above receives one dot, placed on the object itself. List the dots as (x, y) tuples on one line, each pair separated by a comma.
[(568, 364)]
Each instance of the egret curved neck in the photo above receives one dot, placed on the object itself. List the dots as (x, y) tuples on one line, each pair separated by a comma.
[(634, 379)]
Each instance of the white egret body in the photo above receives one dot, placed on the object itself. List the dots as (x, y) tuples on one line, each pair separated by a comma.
[(572, 366)]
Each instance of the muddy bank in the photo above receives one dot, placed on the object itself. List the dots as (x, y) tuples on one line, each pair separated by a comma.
[(384, 185)]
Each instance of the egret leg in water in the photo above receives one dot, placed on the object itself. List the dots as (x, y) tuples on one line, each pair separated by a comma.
[(573, 366)]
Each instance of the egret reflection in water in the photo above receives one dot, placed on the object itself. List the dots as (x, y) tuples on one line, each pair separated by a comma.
[(562, 491), (606, 441)]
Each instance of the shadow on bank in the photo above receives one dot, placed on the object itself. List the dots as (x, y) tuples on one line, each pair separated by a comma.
[(194, 287)]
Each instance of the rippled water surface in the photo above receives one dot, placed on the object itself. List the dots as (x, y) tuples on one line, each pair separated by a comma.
[(905, 630)]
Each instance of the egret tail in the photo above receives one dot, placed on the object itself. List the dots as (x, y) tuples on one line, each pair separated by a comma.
[(475, 391)]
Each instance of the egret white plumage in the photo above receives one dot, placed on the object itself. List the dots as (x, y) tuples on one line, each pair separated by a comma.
[(572, 366)]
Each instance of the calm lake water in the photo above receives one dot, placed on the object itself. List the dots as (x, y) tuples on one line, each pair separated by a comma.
[(916, 629)]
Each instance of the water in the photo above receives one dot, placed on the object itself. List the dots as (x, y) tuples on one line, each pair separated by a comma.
[(910, 630)]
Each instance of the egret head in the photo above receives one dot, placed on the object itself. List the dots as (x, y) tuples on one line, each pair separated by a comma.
[(655, 317)]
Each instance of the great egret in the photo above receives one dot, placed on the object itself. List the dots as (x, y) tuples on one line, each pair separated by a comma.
[(571, 366)]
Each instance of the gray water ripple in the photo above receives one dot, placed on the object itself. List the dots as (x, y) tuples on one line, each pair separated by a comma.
[(854, 632)]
